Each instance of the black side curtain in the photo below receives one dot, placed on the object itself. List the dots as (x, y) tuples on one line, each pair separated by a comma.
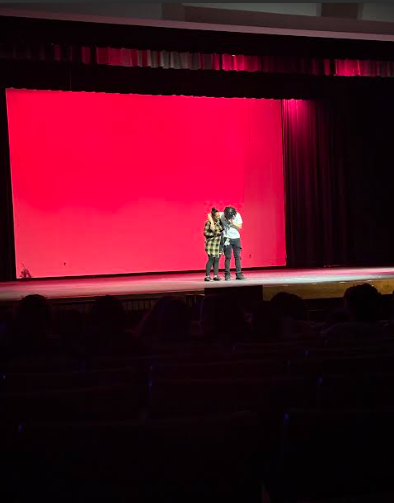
[(339, 181), (7, 253), (315, 188)]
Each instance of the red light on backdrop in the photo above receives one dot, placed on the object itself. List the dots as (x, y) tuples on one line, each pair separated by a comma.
[(110, 184)]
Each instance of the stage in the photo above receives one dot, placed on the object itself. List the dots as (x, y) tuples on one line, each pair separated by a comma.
[(307, 283)]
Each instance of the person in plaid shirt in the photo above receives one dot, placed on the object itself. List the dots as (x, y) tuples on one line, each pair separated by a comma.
[(213, 232)]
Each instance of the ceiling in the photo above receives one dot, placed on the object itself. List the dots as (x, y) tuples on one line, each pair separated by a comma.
[(346, 20)]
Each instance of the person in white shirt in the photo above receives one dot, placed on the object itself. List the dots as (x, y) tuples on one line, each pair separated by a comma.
[(232, 224)]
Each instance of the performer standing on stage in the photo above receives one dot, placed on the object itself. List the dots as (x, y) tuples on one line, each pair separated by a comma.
[(213, 233), (232, 224)]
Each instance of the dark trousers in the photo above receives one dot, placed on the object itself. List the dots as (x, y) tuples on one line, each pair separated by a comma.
[(212, 261), (235, 246)]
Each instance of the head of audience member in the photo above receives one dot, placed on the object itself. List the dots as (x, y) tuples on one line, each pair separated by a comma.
[(223, 319), (169, 320), (265, 323), (229, 213), (291, 313), (362, 303)]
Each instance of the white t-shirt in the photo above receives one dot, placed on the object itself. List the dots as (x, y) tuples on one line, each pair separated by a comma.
[(230, 232)]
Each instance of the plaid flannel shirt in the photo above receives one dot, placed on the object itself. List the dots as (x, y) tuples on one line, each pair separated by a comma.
[(213, 239)]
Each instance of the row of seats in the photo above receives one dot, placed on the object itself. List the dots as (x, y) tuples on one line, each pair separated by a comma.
[(121, 428), (125, 397), (113, 370), (331, 453), (194, 459), (319, 455), (289, 349)]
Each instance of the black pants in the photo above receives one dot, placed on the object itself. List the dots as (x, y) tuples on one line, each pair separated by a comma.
[(235, 246), (212, 261)]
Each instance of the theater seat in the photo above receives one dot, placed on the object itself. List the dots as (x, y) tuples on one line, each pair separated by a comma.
[(341, 453), (189, 460)]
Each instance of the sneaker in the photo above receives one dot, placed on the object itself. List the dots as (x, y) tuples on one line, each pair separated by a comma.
[(227, 277), (240, 276), (207, 278), (217, 278)]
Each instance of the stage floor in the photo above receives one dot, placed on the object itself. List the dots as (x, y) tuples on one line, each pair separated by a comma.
[(308, 283)]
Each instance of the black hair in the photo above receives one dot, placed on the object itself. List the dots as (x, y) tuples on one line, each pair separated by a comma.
[(214, 210), (229, 212), (363, 302)]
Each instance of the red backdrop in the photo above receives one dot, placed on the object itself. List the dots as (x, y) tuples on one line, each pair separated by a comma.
[(108, 184)]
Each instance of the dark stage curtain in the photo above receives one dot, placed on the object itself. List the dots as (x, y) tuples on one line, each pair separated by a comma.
[(315, 185), (7, 254), (339, 181), (368, 127)]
